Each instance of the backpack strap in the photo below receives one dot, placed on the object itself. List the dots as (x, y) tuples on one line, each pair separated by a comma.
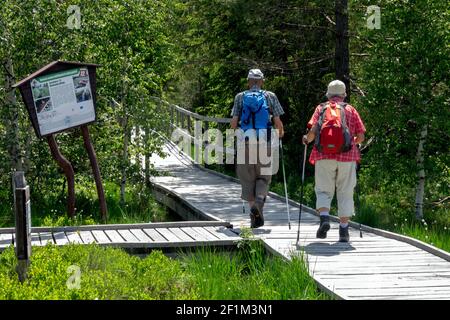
[(347, 137), (319, 123), (342, 106), (324, 106), (266, 95)]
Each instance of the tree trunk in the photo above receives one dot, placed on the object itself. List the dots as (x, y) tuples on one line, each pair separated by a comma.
[(147, 156), (342, 52), (123, 180), (96, 171), (420, 190), (13, 115), (68, 171)]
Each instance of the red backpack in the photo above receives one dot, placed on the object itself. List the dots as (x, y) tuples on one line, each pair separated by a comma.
[(333, 136)]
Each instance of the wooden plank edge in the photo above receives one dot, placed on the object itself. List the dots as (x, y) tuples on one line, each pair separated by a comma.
[(126, 226)]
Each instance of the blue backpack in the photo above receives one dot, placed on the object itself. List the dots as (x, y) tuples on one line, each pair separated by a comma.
[(255, 111)]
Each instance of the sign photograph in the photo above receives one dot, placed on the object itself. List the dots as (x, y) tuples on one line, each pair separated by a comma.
[(63, 100)]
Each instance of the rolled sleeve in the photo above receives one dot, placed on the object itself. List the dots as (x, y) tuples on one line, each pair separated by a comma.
[(277, 109), (359, 125), (314, 118)]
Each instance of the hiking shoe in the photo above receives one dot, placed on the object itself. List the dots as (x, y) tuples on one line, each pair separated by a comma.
[(256, 216), (324, 227), (343, 234)]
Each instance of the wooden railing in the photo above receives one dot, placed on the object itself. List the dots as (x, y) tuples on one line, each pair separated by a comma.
[(189, 123)]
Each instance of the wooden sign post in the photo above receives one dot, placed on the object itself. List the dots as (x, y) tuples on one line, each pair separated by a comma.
[(59, 97), (22, 206)]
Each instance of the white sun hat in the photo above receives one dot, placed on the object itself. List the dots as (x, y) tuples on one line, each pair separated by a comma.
[(336, 88)]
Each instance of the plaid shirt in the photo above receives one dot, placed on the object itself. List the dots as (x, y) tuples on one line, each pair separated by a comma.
[(355, 126), (272, 100)]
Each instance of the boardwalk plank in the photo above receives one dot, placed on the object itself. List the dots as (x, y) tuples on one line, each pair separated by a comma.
[(100, 237), (46, 238), (218, 232), (60, 238), (35, 240), (87, 237), (141, 235), (114, 236), (166, 233), (74, 237), (182, 235), (5, 240), (196, 235), (154, 235), (207, 234), (128, 236)]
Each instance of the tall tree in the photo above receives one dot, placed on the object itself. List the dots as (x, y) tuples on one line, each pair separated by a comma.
[(342, 51), (407, 104)]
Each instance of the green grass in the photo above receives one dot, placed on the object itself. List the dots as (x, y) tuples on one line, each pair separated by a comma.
[(251, 275), (434, 235), (108, 273)]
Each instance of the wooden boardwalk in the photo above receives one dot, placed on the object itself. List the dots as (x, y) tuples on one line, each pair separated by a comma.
[(381, 265), (133, 236)]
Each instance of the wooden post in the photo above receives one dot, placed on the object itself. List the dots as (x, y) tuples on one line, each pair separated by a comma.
[(68, 171), (22, 208), (171, 122), (205, 144), (198, 142), (189, 125), (167, 115), (182, 121), (342, 53), (96, 171)]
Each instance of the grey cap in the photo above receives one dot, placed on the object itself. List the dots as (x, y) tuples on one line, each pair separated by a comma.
[(255, 74)]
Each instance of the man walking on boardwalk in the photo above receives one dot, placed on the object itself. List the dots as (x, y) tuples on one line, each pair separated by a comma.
[(252, 112), (336, 128)]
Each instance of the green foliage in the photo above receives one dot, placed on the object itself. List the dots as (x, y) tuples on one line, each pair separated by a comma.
[(131, 42), (106, 274), (406, 80), (111, 274)]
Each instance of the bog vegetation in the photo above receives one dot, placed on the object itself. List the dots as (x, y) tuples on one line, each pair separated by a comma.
[(111, 274), (196, 53)]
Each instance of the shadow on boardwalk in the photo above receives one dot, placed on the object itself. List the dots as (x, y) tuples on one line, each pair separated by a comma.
[(327, 249)]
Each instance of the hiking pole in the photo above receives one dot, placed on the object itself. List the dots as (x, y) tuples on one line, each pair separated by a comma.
[(301, 193), (285, 186)]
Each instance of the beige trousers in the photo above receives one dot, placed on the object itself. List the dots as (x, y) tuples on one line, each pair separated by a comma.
[(333, 176)]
